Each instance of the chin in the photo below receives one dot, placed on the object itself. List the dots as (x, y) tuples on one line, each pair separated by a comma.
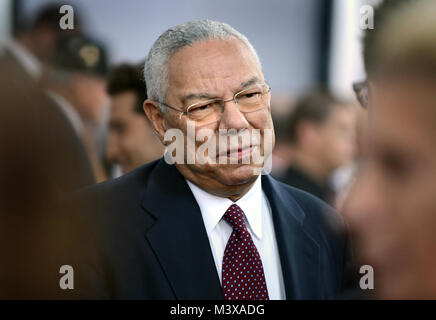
[(238, 174)]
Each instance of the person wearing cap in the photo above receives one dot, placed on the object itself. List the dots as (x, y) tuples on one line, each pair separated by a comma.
[(75, 80), (22, 63), (34, 42)]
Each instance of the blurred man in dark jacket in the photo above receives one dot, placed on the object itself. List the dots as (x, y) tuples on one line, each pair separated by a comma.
[(132, 141), (321, 131)]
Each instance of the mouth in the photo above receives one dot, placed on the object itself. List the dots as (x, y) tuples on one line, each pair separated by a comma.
[(239, 153)]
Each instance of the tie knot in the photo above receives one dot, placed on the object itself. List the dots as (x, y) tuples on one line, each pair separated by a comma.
[(235, 217)]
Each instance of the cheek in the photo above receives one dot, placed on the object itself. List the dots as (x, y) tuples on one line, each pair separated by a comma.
[(128, 139), (419, 205), (261, 119), (338, 146)]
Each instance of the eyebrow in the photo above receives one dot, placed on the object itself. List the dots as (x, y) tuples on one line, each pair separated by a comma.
[(204, 95), (192, 96), (249, 82)]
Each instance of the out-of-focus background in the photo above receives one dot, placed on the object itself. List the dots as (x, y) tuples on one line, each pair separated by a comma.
[(307, 48), (310, 51), (71, 115), (300, 42)]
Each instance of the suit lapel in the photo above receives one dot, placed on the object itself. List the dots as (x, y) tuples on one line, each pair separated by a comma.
[(178, 237), (16, 68), (299, 252)]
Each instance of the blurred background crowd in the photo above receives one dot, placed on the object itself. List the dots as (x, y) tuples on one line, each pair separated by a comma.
[(92, 74), (71, 100)]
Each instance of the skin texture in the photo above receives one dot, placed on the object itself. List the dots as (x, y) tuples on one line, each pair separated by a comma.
[(87, 93), (90, 95), (132, 141), (391, 208), (219, 68)]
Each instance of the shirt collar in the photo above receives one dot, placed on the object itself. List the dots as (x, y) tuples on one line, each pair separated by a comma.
[(27, 59), (213, 207), (69, 110)]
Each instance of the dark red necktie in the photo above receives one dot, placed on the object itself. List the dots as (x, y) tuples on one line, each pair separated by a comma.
[(242, 272)]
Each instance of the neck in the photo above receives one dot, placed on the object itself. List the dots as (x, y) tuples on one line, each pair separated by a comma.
[(215, 187), (311, 166)]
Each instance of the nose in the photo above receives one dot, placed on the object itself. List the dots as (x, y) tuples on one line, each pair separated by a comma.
[(232, 117)]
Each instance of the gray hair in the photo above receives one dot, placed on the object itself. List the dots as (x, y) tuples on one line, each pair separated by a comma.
[(175, 38)]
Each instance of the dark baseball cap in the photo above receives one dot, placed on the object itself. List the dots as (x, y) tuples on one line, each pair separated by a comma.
[(80, 53)]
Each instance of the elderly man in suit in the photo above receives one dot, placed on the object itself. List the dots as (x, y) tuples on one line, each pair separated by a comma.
[(213, 229)]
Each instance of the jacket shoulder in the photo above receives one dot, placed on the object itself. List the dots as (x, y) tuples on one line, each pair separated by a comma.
[(318, 215), (109, 201), (116, 188)]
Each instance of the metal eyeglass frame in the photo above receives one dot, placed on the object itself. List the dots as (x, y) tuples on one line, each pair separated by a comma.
[(223, 102)]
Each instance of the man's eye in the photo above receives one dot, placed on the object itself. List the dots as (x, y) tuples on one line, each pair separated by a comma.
[(202, 108), (117, 127), (396, 165), (250, 95)]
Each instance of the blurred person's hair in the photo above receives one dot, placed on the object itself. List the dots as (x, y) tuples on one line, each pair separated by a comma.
[(407, 44), (281, 126), (126, 77), (47, 16), (56, 76), (315, 107), (381, 13), (176, 38)]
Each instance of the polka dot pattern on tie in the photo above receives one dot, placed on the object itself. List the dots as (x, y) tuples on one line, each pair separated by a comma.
[(242, 273)]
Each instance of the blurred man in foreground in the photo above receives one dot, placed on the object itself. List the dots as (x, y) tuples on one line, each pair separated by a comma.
[(392, 206), (321, 130), (132, 141), (42, 162), (170, 229), (76, 82), (22, 63)]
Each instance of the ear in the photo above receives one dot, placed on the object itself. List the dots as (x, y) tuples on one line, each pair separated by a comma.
[(154, 114)]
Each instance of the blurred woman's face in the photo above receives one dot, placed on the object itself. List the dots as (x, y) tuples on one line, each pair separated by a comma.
[(392, 207)]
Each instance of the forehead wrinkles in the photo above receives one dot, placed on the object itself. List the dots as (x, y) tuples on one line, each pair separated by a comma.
[(212, 65)]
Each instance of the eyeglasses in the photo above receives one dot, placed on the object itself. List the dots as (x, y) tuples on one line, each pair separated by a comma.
[(361, 91), (208, 111)]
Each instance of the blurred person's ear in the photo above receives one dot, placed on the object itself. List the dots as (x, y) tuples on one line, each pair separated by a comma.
[(157, 120)]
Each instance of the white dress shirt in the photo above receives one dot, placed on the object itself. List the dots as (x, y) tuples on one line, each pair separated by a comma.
[(259, 224)]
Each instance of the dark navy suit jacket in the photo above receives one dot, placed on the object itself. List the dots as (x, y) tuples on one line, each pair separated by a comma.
[(142, 236)]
